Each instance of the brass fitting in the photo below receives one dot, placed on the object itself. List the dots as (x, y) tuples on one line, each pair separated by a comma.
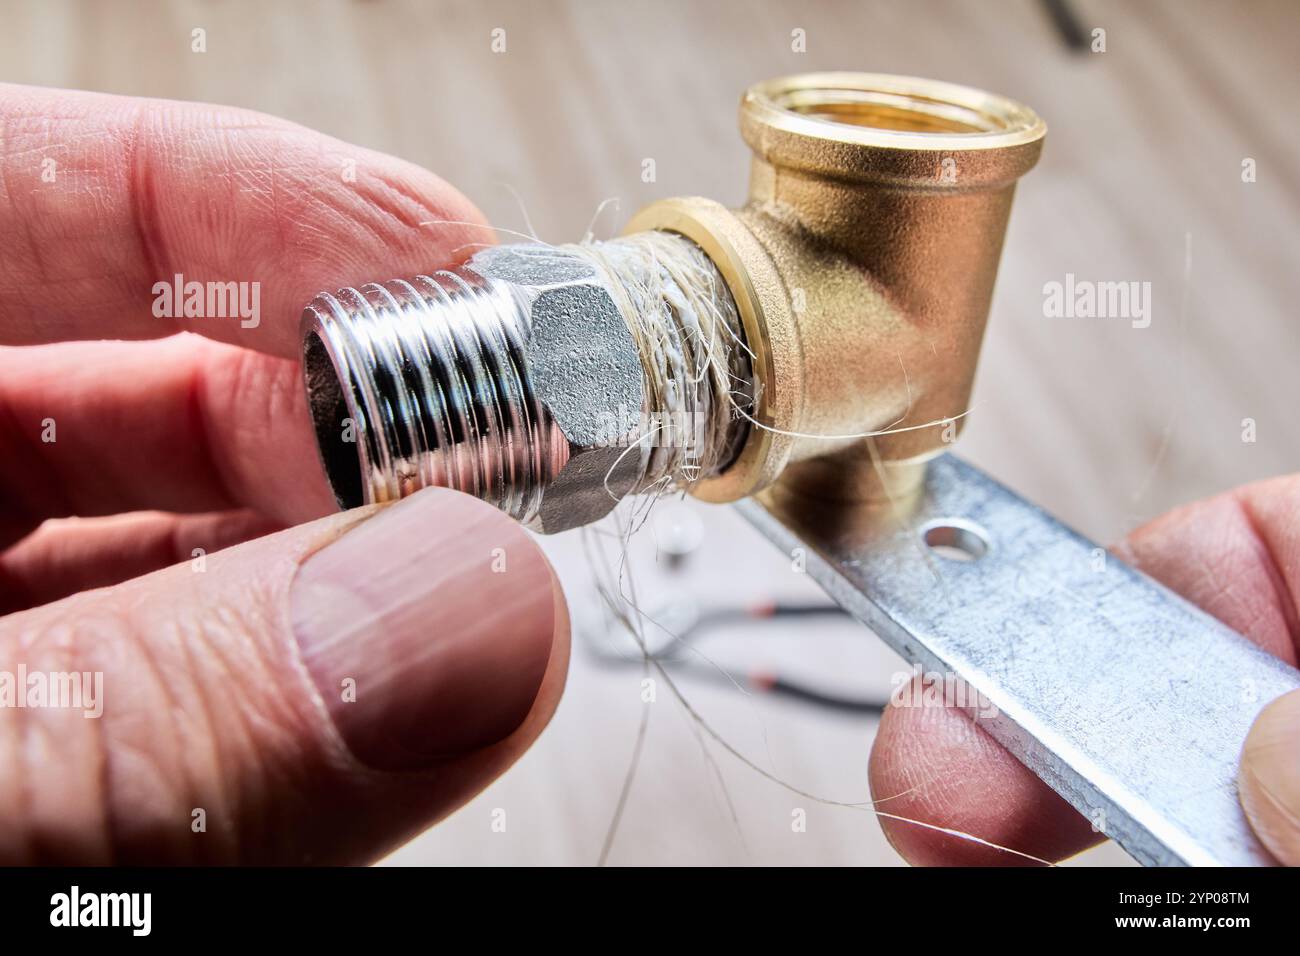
[(860, 269), (862, 266)]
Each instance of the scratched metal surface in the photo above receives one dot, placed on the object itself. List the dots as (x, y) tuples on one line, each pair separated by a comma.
[(1130, 702)]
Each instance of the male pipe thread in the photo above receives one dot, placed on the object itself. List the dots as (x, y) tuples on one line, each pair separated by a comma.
[(456, 380), (422, 382)]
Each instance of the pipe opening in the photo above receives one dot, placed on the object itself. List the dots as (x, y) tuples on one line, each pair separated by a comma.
[(898, 112), (336, 431), (882, 110)]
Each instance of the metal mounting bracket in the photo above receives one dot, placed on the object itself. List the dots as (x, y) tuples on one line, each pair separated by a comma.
[(1125, 699)]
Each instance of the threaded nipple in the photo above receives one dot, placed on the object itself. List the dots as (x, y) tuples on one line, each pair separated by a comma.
[(422, 382), (549, 381)]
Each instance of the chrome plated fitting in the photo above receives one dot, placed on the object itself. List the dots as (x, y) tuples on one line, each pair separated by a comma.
[(514, 378)]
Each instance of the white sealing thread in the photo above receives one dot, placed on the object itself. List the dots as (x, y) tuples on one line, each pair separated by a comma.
[(697, 366)]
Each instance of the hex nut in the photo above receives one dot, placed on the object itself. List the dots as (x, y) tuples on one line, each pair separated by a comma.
[(586, 370)]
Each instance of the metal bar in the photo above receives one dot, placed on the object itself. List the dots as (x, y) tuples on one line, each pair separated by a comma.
[(1125, 699)]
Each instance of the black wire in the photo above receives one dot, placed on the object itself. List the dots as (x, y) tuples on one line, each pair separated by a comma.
[(830, 701), (1067, 24), (721, 617)]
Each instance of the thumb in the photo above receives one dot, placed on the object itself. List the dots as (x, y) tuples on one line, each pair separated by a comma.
[(319, 695), (1270, 778)]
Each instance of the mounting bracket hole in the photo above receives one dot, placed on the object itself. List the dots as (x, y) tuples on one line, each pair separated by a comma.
[(956, 540)]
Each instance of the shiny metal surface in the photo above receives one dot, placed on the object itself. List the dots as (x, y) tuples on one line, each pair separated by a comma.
[(423, 382), (1127, 700), (862, 263), (516, 378)]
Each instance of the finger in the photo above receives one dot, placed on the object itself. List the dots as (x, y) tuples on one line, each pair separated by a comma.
[(934, 765), (76, 554), (1270, 778), (103, 196), (318, 695), (1236, 555), (180, 425)]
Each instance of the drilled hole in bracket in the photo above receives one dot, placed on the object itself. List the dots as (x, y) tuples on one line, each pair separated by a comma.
[(956, 540)]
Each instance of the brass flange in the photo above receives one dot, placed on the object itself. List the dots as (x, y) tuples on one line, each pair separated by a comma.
[(771, 332)]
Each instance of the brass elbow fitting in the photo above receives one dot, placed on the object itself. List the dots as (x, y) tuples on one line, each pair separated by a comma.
[(862, 266), (859, 270)]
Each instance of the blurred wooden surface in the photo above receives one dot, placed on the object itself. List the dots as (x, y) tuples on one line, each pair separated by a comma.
[(1105, 424)]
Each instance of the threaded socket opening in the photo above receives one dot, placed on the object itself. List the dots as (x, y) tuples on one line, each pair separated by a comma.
[(894, 130), (900, 111)]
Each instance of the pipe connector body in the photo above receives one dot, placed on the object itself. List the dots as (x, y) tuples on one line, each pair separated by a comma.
[(855, 282), (862, 265)]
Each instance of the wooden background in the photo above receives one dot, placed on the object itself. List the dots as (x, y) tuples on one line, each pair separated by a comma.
[(1105, 424)]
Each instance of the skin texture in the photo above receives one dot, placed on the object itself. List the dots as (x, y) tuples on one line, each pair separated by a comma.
[(226, 673), (1237, 556)]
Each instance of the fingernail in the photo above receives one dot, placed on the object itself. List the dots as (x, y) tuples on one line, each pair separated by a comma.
[(426, 628), (1270, 778)]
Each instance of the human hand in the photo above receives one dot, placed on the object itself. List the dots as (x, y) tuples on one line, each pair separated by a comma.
[(319, 694), (1237, 556)]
